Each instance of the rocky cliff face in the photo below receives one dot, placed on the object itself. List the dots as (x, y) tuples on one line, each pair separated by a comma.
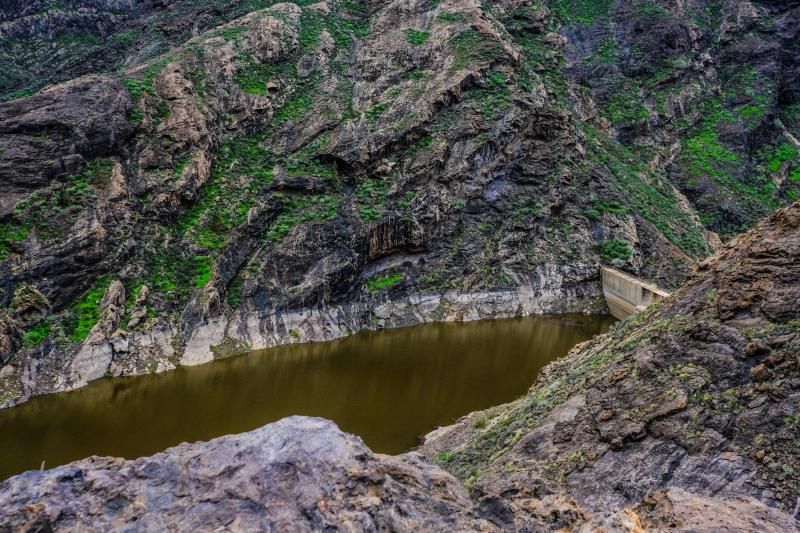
[(248, 173), (50, 41), (685, 418)]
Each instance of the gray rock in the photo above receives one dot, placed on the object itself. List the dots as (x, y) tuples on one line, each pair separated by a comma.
[(112, 307), (679, 399), (10, 337), (298, 474), (304, 474)]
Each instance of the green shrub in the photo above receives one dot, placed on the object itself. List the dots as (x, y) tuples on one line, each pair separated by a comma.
[(11, 232), (197, 76), (203, 271), (417, 37), (494, 97), (128, 37), (603, 206), (748, 83), (752, 113), (480, 422), (231, 33), (794, 174), (97, 173), (615, 249), (143, 84), (420, 144), (251, 77), (171, 271), (444, 457), (374, 112), (36, 334), (134, 87), (234, 291), (704, 150), (300, 209), (15, 95), (469, 47), (163, 112), (415, 74), (382, 281), (782, 154), (625, 108), (607, 50), (77, 39), (450, 17), (526, 207), (705, 157), (650, 7), (371, 197), (295, 107), (86, 309), (581, 11)]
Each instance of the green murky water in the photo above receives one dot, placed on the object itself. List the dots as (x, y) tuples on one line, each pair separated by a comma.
[(388, 387)]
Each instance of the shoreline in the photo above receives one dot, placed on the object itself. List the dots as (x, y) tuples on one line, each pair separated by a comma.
[(162, 349)]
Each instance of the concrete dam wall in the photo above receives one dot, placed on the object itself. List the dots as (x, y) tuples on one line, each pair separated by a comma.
[(627, 295)]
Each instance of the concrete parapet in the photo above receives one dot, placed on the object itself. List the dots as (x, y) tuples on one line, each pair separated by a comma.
[(627, 295)]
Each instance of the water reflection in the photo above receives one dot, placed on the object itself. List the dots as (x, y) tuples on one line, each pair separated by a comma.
[(388, 387)]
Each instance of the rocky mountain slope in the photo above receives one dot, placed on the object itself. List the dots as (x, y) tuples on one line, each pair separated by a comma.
[(203, 178), (685, 418), (699, 392)]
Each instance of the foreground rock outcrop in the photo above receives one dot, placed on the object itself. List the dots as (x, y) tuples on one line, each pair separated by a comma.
[(685, 417), (298, 474), (304, 474)]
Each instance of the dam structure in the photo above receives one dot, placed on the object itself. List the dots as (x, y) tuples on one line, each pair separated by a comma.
[(627, 295)]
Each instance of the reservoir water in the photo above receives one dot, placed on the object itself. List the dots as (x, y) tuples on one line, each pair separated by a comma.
[(388, 387)]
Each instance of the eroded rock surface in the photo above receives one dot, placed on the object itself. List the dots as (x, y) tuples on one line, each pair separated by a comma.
[(700, 393), (304, 474), (298, 474)]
